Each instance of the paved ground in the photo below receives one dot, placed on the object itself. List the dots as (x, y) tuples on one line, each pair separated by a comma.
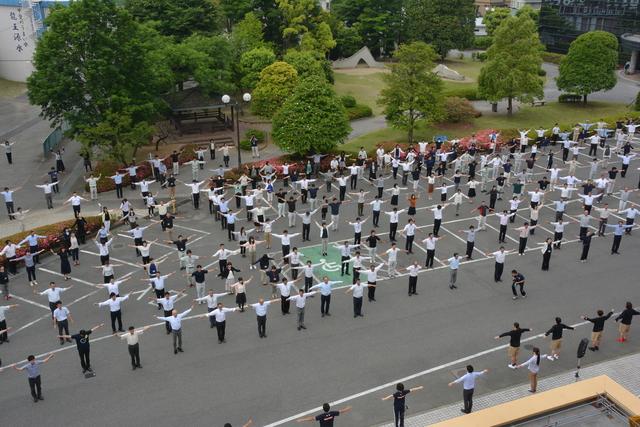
[(425, 339)]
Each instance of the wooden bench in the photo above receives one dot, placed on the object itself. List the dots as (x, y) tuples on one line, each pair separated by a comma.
[(537, 103)]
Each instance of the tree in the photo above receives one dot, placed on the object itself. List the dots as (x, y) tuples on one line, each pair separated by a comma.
[(312, 119), (348, 41), (234, 11), (445, 24), (214, 74), (252, 63), (378, 23), (268, 12), (277, 82), (590, 64), (513, 63), (117, 135), (298, 17), (305, 62), (494, 17), (247, 34), (100, 77), (530, 12), (412, 93), (177, 18)]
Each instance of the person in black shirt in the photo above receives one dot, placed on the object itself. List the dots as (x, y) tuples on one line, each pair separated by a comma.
[(586, 244), (84, 347), (598, 327), (493, 196), (372, 243), (625, 321), (514, 342), (556, 338), (399, 404), (4, 283), (326, 418), (518, 279)]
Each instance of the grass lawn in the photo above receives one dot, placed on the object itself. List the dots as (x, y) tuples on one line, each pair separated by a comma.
[(10, 89), (525, 117), (365, 84)]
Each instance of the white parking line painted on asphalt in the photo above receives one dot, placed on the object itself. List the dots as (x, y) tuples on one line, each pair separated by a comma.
[(191, 229), (29, 302), (75, 279), (112, 259)]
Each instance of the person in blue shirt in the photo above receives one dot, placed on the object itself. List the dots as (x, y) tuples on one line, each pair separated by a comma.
[(618, 230), (33, 373), (468, 381)]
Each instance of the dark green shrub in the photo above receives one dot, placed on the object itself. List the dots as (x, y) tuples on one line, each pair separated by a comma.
[(348, 101)]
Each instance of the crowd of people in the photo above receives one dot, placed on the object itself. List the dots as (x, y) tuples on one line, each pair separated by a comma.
[(389, 182)]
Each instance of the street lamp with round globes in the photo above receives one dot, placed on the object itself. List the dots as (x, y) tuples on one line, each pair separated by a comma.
[(226, 99)]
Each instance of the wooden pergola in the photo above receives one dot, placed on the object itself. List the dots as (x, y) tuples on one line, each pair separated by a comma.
[(192, 111)]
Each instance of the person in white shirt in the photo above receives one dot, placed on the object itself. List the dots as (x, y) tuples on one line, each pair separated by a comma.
[(48, 189), (7, 193), (114, 302), (223, 256), (533, 365), (357, 289), (457, 198), (300, 301), (409, 232), (413, 270), (287, 286), (9, 252), (392, 260), (175, 322), (61, 318), (372, 278), (345, 256), (468, 381), (393, 222), (220, 314), (132, 337), (285, 240), (500, 256), (53, 295), (75, 201), (261, 314), (212, 303), (93, 185)]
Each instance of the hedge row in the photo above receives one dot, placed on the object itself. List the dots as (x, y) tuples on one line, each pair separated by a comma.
[(359, 111), (552, 57)]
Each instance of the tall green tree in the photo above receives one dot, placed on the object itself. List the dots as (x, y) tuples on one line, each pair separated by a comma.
[(590, 64), (493, 18), (177, 18), (234, 11), (412, 93), (252, 63), (445, 24), (378, 22), (513, 63), (312, 119), (277, 83), (268, 12), (93, 67)]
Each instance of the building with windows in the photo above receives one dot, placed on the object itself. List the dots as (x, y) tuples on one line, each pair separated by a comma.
[(561, 21), (483, 6), (519, 4)]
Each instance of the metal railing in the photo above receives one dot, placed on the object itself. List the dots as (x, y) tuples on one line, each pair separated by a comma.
[(54, 139)]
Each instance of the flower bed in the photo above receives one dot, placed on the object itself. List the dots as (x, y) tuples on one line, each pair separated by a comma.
[(53, 232), (108, 168)]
